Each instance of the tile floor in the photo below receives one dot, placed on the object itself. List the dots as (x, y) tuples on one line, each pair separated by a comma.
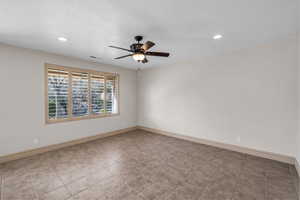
[(144, 166)]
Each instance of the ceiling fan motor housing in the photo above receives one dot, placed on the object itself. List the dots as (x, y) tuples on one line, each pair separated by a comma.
[(138, 38), (137, 47)]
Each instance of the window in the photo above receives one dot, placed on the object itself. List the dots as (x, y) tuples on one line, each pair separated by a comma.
[(73, 94)]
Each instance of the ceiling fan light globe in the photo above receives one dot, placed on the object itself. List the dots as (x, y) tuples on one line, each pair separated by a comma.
[(138, 57)]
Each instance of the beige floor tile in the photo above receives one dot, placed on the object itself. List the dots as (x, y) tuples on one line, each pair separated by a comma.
[(145, 166), (224, 188), (252, 187), (59, 194), (18, 193), (187, 192)]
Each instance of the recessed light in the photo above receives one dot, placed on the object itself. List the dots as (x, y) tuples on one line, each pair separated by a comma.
[(217, 37), (62, 39)]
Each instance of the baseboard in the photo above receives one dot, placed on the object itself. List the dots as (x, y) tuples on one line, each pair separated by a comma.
[(263, 154), (33, 152)]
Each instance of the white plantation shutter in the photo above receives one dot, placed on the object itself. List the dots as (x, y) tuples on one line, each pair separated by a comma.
[(58, 85), (97, 94), (111, 94), (80, 94), (74, 94)]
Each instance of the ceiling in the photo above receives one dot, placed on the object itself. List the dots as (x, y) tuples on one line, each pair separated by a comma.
[(183, 28)]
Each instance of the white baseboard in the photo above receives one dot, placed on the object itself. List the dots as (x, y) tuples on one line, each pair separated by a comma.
[(263, 154), (33, 152)]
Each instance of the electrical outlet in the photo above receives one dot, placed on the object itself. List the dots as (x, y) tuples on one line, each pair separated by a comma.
[(36, 141), (238, 139)]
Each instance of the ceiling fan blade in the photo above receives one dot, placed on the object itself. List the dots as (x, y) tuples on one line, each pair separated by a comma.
[(161, 54), (120, 48), (124, 56), (148, 45)]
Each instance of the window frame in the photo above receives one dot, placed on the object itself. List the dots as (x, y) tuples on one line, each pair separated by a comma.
[(69, 108)]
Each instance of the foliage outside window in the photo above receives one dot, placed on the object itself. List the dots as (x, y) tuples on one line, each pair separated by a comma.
[(80, 94)]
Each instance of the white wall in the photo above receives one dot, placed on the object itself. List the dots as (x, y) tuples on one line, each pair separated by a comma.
[(22, 101), (298, 131), (297, 154), (250, 94)]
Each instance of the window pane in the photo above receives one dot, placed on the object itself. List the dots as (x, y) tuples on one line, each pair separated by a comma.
[(80, 93), (58, 84), (111, 94), (97, 94)]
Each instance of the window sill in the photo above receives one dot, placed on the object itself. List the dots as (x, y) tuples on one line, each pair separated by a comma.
[(54, 121)]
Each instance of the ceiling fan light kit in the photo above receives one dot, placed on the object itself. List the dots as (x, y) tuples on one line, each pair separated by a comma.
[(139, 51), (139, 57)]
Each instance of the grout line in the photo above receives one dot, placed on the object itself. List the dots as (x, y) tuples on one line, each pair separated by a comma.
[(32, 187), (1, 188), (63, 184), (240, 174), (2, 184), (267, 188), (295, 182)]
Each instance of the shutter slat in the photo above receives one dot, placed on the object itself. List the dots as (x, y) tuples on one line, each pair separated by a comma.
[(111, 94), (58, 84), (80, 94), (97, 94)]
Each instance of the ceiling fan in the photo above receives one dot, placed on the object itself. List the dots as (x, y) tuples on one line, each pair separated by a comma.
[(139, 51)]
